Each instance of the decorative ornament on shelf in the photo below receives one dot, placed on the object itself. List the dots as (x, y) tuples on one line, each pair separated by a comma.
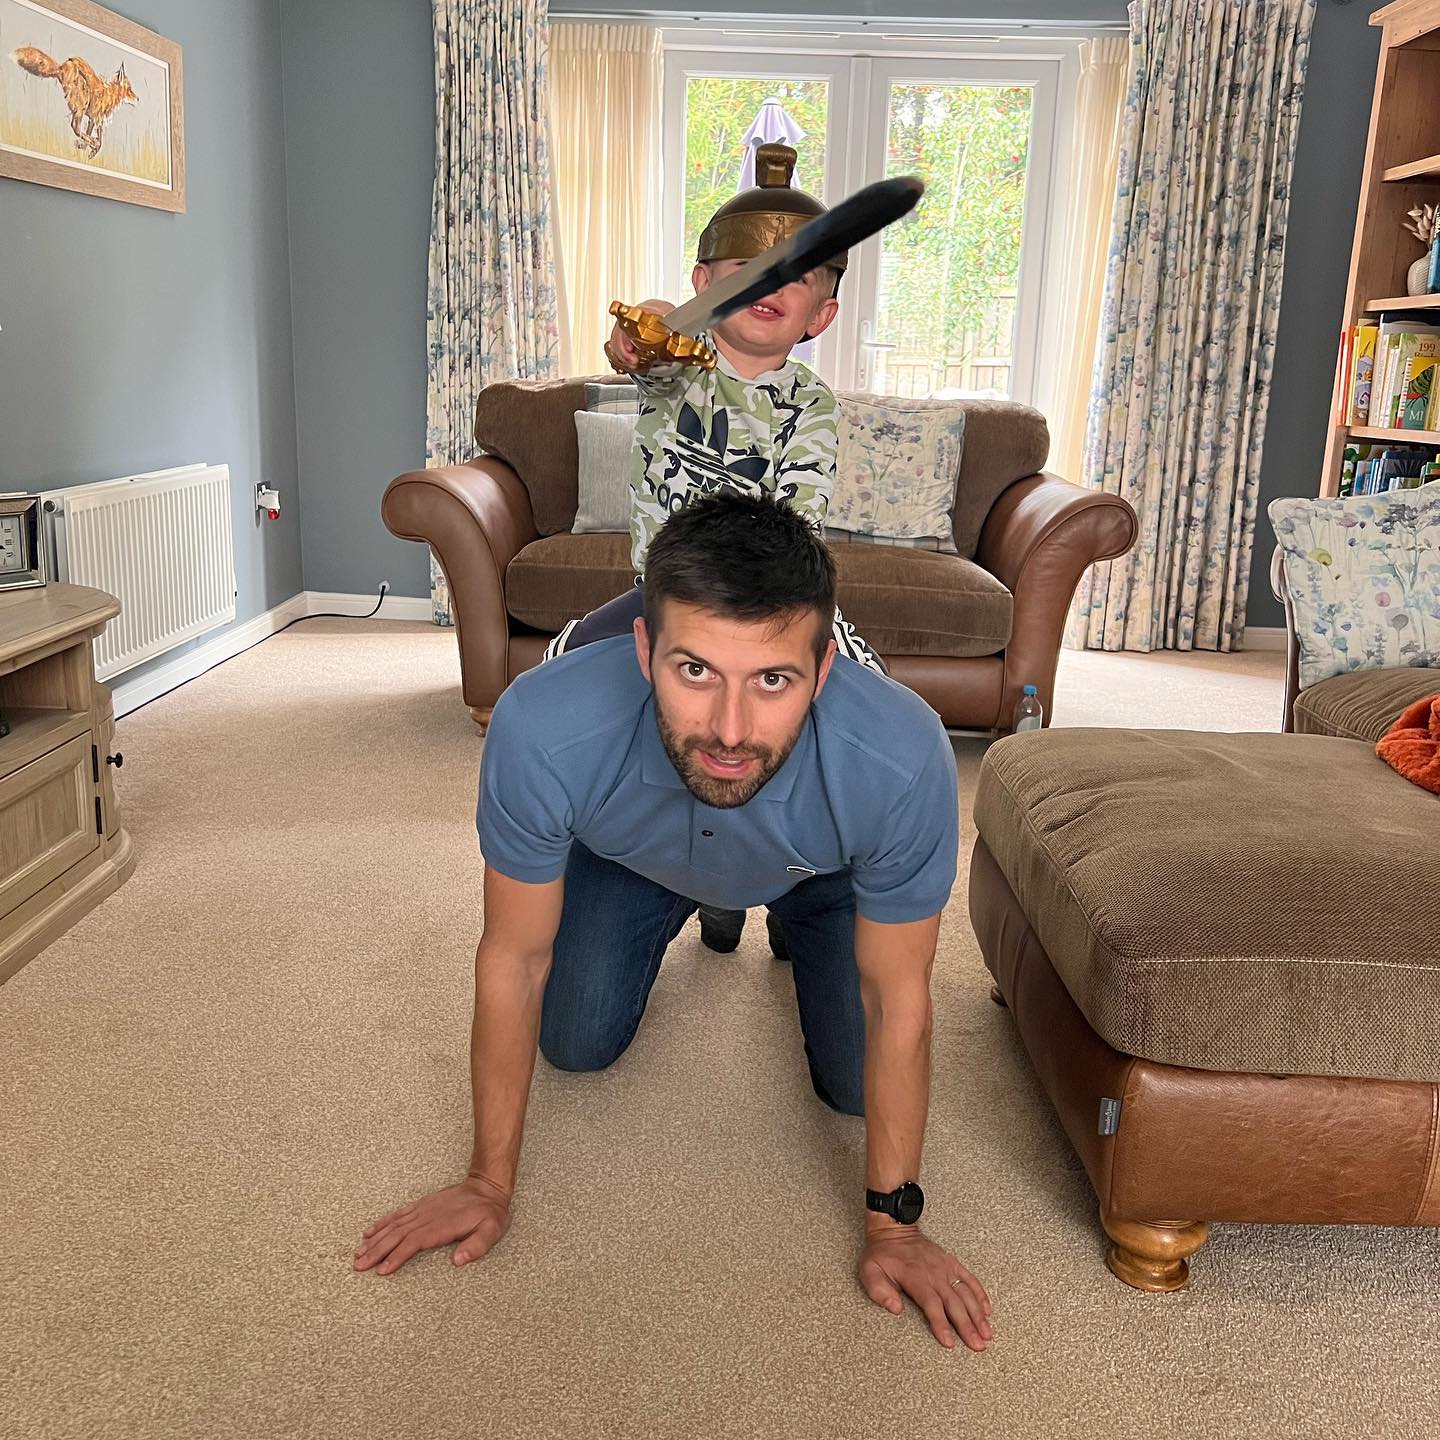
[(1423, 227)]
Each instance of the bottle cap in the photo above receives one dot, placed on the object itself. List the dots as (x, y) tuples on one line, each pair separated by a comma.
[(1029, 690)]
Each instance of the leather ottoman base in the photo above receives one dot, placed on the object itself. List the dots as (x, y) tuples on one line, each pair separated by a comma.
[(1192, 1146)]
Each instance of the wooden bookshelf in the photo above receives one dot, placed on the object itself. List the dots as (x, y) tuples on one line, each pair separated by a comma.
[(1415, 437), (1427, 169), (1402, 166), (1402, 302)]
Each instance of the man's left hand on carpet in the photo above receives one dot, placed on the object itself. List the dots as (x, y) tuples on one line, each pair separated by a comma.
[(900, 1261)]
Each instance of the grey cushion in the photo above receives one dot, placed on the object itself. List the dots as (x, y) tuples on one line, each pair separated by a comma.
[(606, 443)]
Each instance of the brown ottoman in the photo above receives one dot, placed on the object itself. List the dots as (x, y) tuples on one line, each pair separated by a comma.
[(1222, 953)]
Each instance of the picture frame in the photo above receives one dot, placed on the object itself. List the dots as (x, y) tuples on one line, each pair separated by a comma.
[(22, 550), (91, 102)]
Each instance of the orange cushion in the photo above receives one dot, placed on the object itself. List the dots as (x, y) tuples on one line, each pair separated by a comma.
[(1412, 745)]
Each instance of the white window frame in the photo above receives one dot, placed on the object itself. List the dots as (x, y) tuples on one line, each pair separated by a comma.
[(683, 64), (856, 65)]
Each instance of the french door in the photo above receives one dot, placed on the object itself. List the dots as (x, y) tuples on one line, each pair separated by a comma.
[(944, 303)]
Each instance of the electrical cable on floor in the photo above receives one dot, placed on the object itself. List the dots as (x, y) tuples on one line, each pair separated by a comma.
[(318, 615)]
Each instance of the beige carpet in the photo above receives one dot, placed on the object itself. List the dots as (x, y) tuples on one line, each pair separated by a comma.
[(258, 1045)]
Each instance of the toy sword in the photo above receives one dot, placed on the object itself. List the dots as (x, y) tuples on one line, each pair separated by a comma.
[(671, 338)]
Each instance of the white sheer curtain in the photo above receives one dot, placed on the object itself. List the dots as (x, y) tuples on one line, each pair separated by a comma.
[(1064, 393), (606, 89)]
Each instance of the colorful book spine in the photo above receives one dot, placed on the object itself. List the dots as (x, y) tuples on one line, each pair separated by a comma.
[(1385, 368), (1399, 372), (1418, 391), (1366, 333), (1344, 376)]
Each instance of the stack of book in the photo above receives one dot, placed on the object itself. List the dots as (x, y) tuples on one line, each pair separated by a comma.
[(1387, 374), (1376, 469)]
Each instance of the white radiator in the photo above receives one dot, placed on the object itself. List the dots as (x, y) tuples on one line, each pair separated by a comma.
[(162, 544)]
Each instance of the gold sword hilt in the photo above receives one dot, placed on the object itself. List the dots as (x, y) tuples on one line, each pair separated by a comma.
[(655, 342)]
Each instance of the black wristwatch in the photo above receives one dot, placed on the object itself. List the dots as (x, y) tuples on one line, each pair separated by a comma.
[(903, 1204)]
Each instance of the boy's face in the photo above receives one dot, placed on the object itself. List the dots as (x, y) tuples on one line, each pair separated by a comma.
[(772, 327)]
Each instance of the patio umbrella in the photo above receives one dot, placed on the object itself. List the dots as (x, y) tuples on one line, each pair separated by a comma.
[(773, 122)]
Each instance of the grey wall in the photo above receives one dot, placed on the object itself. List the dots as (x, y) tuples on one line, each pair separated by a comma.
[(360, 128), (134, 339), (1325, 190)]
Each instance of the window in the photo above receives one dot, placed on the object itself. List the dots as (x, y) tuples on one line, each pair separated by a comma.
[(719, 113), (948, 300)]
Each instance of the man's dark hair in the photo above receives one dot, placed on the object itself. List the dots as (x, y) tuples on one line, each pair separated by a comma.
[(744, 557)]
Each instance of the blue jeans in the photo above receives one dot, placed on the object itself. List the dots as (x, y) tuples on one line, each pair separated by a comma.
[(614, 930)]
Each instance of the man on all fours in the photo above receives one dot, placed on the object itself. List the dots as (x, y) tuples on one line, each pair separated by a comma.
[(722, 758)]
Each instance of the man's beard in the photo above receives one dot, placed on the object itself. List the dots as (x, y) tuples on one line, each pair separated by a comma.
[(714, 790)]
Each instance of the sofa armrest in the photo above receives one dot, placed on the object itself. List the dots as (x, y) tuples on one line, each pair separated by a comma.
[(1038, 539), (1292, 645), (477, 518)]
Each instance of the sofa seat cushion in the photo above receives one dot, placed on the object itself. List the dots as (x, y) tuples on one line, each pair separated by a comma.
[(918, 602), (562, 577), (1362, 704), (1255, 903), (904, 602)]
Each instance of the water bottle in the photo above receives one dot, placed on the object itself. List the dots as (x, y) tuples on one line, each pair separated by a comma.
[(1029, 713)]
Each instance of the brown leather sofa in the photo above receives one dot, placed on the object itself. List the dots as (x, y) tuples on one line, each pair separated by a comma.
[(1220, 954), (965, 631)]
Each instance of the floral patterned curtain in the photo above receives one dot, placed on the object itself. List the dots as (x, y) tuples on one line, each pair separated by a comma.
[(493, 309), (1187, 331)]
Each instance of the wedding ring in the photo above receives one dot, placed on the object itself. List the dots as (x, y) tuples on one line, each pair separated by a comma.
[(954, 1282)]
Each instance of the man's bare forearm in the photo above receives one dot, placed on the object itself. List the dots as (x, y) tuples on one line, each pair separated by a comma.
[(897, 1091), (509, 990), (895, 962)]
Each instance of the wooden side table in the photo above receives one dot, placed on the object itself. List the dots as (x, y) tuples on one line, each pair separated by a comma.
[(62, 849)]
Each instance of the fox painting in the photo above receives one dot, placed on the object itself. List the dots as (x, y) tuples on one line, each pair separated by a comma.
[(92, 101)]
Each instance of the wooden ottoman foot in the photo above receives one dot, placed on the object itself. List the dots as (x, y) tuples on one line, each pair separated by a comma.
[(1153, 1257), (481, 714), (998, 996)]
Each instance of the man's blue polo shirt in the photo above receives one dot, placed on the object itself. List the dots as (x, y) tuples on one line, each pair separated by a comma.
[(573, 753)]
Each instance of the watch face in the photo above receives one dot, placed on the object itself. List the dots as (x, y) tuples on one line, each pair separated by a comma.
[(909, 1204)]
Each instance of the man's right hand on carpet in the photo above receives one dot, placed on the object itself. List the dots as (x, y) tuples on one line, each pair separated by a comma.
[(475, 1212)]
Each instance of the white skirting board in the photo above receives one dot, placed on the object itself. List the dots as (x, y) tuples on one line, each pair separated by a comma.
[(1264, 637), (131, 694)]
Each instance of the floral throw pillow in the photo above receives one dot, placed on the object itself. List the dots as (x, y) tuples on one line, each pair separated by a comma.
[(895, 471), (1363, 576)]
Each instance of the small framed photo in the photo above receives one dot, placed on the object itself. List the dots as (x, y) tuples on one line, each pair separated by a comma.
[(90, 101), (22, 553)]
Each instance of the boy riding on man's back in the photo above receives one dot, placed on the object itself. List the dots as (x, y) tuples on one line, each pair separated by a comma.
[(759, 422)]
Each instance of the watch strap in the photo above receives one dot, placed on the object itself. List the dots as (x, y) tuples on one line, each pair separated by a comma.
[(883, 1202), (889, 1202)]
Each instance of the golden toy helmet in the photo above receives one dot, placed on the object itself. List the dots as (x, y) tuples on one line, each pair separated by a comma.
[(766, 214)]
